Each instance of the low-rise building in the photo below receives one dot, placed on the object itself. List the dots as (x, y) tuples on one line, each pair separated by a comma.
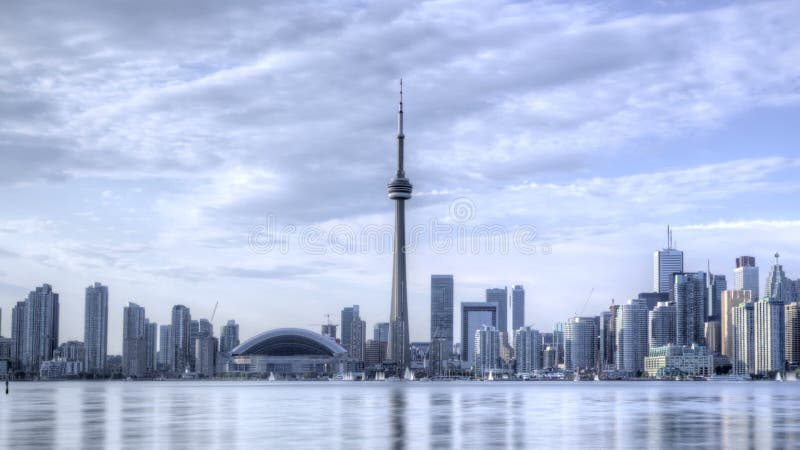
[(678, 360)]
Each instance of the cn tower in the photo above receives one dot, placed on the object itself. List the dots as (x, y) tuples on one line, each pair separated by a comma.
[(398, 350)]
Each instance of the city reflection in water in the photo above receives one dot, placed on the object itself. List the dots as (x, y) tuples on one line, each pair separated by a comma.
[(399, 415)]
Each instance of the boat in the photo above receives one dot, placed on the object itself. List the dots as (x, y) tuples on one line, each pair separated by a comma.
[(596, 377), (271, 377), (778, 377), (729, 378), (791, 376), (409, 375), (491, 376), (380, 376)]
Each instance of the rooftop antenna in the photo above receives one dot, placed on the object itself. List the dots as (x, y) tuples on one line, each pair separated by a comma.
[(777, 255)]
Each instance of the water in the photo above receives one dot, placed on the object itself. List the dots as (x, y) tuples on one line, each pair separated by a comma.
[(413, 415)]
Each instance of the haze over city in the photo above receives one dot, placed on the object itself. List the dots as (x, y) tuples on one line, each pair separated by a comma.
[(142, 145)]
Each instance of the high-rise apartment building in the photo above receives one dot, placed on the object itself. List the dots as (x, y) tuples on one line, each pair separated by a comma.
[(229, 337), (517, 307), (580, 343), (606, 342), (151, 344), (653, 298), (527, 350), (487, 350), (717, 284), (354, 331), (441, 322), (500, 297), (17, 335), (40, 329), (95, 328), (741, 340), (180, 339), (475, 315), (631, 336), (666, 262), (792, 330), (770, 336), (689, 293), (745, 275), (662, 325), (165, 352), (134, 341), (730, 299), (380, 332)]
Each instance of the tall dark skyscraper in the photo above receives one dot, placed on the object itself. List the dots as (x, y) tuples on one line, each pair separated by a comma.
[(500, 296), (40, 335), (229, 337), (398, 350), (95, 328), (180, 338), (441, 321), (517, 308), (690, 293), (134, 341)]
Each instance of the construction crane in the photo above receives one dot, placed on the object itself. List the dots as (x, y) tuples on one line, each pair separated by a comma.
[(214, 312), (586, 302)]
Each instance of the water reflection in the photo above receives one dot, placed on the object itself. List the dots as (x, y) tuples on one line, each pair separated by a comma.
[(399, 415)]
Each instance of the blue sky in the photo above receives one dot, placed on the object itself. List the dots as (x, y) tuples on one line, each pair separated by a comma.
[(141, 144)]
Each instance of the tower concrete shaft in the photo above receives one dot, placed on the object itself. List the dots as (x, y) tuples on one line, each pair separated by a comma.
[(398, 349)]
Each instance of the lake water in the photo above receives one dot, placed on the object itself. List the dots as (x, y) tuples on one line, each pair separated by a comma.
[(197, 414)]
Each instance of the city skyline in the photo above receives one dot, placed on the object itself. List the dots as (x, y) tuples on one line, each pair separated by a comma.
[(151, 182)]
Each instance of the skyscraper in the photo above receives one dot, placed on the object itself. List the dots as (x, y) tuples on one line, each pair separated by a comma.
[(41, 328), (654, 298), (500, 296), (527, 349), (745, 275), (690, 292), (180, 338), (441, 321), (194, 332), (792, 330), (165, 352), (95, 328), (380, 332), (717, 284), (474, 315), (666, 262), (17, 335), (134, 341), (151, 345), (778, 286), (398, 349), (730, 299), (349, 314), (487, 350), (607, 340), (580, 343), (662, 325), (770, 336), (205, 350), (631, 331), (742, 339), (229, 337), (517, 307)]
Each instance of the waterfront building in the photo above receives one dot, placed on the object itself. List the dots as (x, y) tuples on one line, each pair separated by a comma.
[(380, 332), (661, 321), (229, 337), (770, 337), (287, 353), (398, 350), (678, 360), (689, 293), (164, 350), (194, 333), (580, 343), (741, 339), (17, 335), (206, 352), (745, 275), (151, 347), (180, 339), (95, 328), (500, 298), (487, 350), (40, 329), (666, 262), (549, 358), (730, 299), (375, 353), (70, 351), (778, 286), (60, 368), (475, 315), (134, 341), (792, 330), (420, 356), (606, 341), (354, 331), (527, 350), (517, 307), (441, 322), (631, 336)]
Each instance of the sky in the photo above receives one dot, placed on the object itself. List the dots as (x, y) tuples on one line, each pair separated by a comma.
[(194, 152)]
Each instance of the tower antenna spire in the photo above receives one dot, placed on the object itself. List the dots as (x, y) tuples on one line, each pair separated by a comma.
[(400, 135)]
